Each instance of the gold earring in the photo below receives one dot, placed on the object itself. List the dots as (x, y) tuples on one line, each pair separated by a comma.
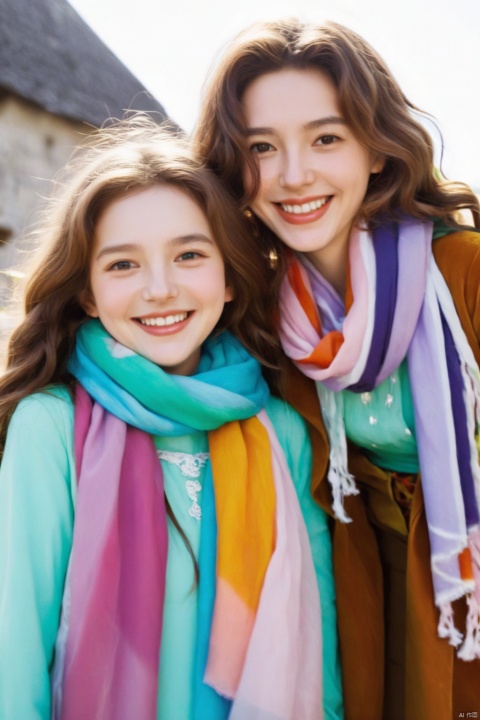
[(248, 213), (273, 259)]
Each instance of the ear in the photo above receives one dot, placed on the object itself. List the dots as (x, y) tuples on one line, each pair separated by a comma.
[(229, 294), (87, 302), (378, 165)]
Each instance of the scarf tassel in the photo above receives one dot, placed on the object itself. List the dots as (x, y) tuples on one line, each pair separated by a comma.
[(342, 484), (471, 645), (341, 481), (446, 626)]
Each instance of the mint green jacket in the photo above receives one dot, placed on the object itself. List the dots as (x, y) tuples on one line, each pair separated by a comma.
[(37, 507)]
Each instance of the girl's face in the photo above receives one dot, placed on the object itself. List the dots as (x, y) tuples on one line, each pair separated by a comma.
[(313, 171), (157, 277)]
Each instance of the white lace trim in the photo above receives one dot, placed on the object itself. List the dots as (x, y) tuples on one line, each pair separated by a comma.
[(190, 466), (193, 487)]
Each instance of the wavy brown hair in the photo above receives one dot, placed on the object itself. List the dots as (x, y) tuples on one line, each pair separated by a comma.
[(370, 99), (134, 154)]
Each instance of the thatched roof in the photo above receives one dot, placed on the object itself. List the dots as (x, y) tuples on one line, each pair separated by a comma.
[(50, 56)]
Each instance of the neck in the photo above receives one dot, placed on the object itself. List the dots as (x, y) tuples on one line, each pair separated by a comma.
[(331, 262)]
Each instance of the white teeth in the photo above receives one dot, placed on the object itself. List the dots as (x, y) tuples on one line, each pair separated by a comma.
[(162, 321), (305, 207)]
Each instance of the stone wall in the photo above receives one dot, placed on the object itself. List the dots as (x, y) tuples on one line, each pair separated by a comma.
[(34, 145)]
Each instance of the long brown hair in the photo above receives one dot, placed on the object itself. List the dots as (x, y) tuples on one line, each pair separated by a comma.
[(130, 155), (370, 99)]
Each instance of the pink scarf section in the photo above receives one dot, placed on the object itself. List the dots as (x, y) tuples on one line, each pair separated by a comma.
[(116, 575)]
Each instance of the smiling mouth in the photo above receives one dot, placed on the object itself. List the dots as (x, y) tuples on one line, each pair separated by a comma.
[(304, 208), (165, 320)]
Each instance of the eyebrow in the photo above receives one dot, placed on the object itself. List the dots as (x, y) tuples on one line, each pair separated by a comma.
[(312, 125), (132, 247)]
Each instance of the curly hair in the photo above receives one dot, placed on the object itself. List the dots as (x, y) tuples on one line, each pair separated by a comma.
[(132, 154)]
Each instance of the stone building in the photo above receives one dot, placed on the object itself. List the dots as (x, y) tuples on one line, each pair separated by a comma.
[(58, 81)]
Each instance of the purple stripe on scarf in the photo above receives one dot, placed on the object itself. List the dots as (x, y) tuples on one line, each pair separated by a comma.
[(461, 427), (414, 252), (385, 244)]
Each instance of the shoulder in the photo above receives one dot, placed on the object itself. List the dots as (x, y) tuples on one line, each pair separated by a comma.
[(458, 250), (38, 459), (54, 398), (458, 258), (50, 409)]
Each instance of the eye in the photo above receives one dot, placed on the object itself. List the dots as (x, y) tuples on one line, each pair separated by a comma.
[(261, 147), (190, 255), (327, 140), (122, 265)]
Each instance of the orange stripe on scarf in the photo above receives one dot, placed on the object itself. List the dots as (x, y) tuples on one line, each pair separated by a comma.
[(241, 459), (304, 297), (324, 353), (245, 504), (465, 563)]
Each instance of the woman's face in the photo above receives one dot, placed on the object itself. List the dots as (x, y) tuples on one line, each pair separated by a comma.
[(313, 171), (157, 276)]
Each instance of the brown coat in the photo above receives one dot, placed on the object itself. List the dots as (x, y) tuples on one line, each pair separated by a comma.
[(438, 685)]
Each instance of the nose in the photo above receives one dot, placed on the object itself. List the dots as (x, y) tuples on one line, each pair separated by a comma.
[(160, 284), (296, 171)]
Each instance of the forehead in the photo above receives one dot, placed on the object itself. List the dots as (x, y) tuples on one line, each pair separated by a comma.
[(162, 208), (289, 96)]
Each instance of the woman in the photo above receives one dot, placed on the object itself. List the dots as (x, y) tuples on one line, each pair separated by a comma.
[(154, 561), (316, 141)]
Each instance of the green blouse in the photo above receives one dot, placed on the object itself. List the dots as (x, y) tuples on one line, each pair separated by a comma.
[(382, 423)]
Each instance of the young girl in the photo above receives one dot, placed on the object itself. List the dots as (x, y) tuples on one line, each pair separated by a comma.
[(378, 293), (127, 400)]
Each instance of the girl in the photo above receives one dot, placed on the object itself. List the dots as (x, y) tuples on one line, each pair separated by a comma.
[(125, 400), (377, 283)]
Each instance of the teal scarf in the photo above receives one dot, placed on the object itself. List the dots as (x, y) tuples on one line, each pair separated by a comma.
[(228, 384)]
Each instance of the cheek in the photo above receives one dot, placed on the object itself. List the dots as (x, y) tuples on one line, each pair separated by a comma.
[(209, 286), (108, 297), (351, 177), (341, 169)]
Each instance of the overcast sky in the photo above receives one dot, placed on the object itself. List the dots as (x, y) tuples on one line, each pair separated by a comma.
[(432, 46)]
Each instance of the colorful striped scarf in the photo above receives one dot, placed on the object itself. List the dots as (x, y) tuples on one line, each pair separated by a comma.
[(258, 650), (398, 305)]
